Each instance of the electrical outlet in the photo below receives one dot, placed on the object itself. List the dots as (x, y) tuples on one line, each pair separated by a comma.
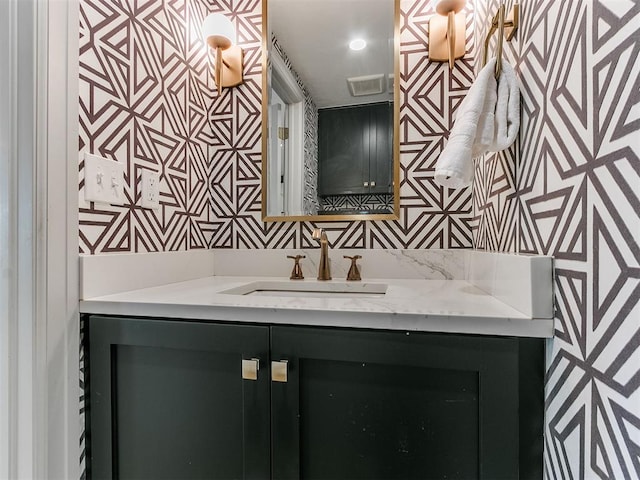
[(150, 189), (103, 180)]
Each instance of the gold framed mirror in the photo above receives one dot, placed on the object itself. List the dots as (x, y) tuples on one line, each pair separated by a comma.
[(330, 113)]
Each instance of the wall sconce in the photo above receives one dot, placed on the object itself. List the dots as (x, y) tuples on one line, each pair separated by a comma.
[(447, 35), (220, 34)]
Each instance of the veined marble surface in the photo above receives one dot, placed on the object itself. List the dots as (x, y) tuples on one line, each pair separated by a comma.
[(453, 306), (402, 264), (456, 291)]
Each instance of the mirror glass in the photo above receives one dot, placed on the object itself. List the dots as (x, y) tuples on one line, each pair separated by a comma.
[(330, 148)]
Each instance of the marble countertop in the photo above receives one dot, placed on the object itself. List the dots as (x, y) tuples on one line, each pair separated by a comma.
[(454, 306)]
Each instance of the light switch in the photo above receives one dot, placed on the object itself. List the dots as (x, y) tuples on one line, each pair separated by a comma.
[(103, 180)]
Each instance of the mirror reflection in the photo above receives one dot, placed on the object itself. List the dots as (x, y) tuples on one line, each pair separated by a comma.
[(330, 110)]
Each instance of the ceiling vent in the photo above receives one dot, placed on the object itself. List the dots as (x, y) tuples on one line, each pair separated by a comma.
[(367, 85)]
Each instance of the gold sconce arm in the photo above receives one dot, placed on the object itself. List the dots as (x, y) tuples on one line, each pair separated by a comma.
[(218, 71), (451, 37), (447, 32)]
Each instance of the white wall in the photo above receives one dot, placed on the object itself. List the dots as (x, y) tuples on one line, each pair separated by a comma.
[(39, 427)]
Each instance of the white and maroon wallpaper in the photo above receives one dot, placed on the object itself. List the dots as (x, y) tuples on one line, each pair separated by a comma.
[(569, 188), (147, 100), (572, 190), (430, 218)]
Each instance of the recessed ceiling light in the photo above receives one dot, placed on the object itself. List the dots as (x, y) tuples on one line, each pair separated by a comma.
[(357, 44)]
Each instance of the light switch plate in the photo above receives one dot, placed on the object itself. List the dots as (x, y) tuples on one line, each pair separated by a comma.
[(103, 180)]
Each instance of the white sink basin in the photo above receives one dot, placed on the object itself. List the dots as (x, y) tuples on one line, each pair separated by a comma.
[(309, 289)]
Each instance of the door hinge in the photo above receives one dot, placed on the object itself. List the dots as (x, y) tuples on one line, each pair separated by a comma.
[(283, 133)]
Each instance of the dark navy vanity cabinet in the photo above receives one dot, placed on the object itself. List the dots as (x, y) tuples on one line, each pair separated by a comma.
[(355, 150), (167, 399)]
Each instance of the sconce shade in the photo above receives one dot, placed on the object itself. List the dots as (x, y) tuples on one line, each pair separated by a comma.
[(443, 7), (218, 31), (220, 34)]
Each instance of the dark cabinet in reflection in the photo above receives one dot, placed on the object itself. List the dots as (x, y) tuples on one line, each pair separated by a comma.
[(355, 150)]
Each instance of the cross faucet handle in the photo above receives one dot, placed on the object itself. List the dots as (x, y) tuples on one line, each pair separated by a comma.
[(296, 273), (354, 271)]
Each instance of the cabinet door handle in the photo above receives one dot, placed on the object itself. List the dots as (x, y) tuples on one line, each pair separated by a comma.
[(366, 184), (373, 184), (279, 371), (250, 369)]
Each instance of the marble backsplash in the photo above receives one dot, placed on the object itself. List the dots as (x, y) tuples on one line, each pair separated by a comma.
[(521, 281)]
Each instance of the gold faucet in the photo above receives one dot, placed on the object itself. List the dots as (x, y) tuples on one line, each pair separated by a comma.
[(324, 273)]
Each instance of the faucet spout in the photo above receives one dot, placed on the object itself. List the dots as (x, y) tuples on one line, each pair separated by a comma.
[(324, 271)]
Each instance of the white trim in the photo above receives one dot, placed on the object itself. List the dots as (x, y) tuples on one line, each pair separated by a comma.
[(39, 340), (8, 265), (273, 171), (292, 94), (28, 237), (288, 87), (295, 179), (39, 428), (18, 238), (59, 162)]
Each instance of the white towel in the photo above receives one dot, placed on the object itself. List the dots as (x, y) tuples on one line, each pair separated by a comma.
[(488, 119), (507, 110)]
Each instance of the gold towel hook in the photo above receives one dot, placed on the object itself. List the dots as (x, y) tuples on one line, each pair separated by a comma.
[(506, 28), (498, 68)]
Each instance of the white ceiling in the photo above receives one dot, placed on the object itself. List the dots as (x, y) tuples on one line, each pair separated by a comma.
[(315, 35)]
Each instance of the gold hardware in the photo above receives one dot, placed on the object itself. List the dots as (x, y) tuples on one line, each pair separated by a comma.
[(250, 369), (354, 271), (296, 274), (283, 133), (447, 35), (506, 28), (324, 272), (219, 34), (511, 22), (265, 83), (279, 371)]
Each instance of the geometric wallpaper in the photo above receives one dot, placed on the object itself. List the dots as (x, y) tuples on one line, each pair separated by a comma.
[(429, 216), (382, 203), (571, 189), (146, 99)]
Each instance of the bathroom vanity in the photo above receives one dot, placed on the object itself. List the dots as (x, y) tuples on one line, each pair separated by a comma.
[(395, 378)]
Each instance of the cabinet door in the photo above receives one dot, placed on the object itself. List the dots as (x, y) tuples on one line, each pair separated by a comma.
[(167, 400), (381, 148), (364, 405), (355, 150), (343, 151)]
